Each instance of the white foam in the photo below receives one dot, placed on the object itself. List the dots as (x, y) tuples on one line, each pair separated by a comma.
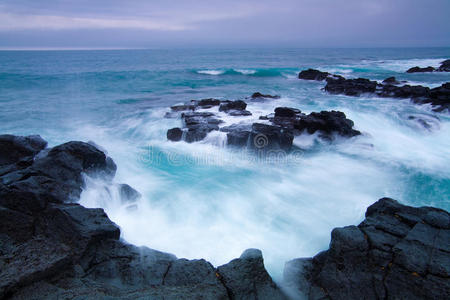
[(211, 72), (245, 72)]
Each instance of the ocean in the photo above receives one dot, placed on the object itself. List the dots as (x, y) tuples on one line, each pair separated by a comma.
[(205, 200)]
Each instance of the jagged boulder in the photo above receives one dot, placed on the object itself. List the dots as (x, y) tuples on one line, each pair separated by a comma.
[(246, 278)]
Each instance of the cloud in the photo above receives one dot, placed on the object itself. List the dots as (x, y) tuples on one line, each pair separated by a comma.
[(43, 22)]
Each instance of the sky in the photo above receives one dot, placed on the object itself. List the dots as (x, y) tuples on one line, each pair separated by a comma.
[(227, 23)]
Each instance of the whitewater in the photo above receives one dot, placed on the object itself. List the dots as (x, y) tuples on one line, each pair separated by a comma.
[(206, 200)]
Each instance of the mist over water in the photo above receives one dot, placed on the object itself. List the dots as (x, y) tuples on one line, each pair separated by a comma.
[(205, 200)]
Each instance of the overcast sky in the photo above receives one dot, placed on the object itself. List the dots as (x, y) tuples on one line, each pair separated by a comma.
[(230, 23)]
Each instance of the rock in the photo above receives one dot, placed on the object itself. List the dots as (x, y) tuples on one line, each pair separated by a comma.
[(269, 137), (286, 112), (327, 123), (420, 70), (312, 74), (15, 148), (259, 95), (238, 113), (128, 194), (394, 253), (391, 80), (350, 87), (445, 66), (246, 278), (439, 97), (199, 124), (233, 105), (210, 102), (174, 134), (183, 107), (261, 137), (405, 91)]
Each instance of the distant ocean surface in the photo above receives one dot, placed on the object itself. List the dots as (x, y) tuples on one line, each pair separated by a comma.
[(200, 201)]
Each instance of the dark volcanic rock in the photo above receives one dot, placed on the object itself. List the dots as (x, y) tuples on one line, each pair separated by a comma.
[(199, 124), (259, 95), (350, 87), (246, 278), (51, 249), (210, 102), (268, 137), (391, 80), (286, 112), (405, 91), (183, 107), (420, 70), (445, 66), (174, 134), (312, 74), (327, 123), (232, 105), (128, 194), (439, 97), (397, 252), (15, 148)]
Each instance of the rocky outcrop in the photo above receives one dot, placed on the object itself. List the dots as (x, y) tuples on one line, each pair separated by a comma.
[(312, 74), (53, 248), (420, 70), (438, 97), (327, 123), (350, 87), (397, 252), (445, 66)]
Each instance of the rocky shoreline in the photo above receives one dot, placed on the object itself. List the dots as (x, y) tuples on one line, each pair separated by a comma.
[(53, 248), (438, 97)]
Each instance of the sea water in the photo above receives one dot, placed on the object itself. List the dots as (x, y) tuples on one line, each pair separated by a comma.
[(205, 200)]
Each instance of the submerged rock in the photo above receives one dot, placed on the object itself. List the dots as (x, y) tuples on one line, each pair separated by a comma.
[(259, 95), (397, 252), (420, 70)]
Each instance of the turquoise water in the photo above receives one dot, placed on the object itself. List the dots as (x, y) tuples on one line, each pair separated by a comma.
[(204, 200)]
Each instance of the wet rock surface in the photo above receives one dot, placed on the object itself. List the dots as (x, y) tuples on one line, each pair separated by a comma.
[(54, 248), (397, 252)]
